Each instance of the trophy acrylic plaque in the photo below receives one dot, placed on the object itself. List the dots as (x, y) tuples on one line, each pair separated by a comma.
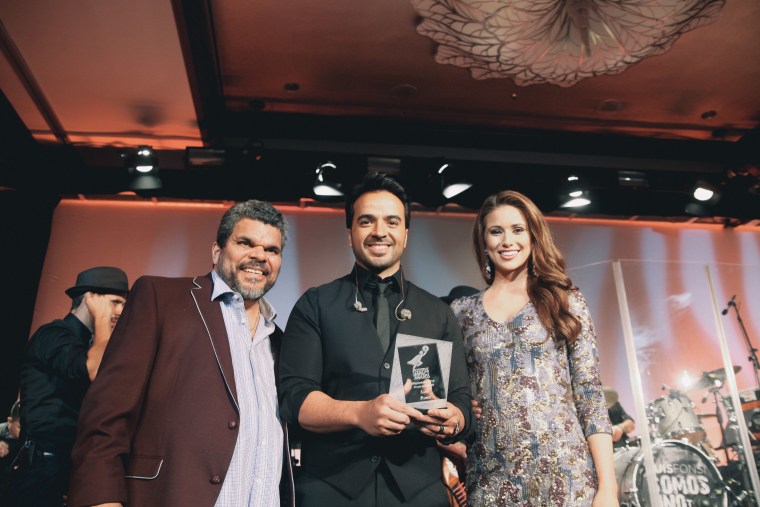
[(420, 374)]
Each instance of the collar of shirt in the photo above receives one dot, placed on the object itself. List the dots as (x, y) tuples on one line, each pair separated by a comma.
[(364, 276), (78, 328), (222, 290)]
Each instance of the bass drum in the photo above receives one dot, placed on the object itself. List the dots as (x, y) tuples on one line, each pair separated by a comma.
[(685, 476)]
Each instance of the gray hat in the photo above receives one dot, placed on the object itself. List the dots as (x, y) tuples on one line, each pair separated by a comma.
[(459, 291), (102, 280)]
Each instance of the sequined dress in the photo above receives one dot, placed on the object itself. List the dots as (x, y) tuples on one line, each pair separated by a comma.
[(540, 401)]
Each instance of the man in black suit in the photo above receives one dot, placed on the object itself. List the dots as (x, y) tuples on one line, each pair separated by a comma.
[(360, 445)]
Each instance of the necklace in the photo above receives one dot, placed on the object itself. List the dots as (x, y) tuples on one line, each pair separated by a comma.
[(253, 323)]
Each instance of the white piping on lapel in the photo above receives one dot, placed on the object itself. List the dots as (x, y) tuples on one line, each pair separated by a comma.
[(219, 363), (147, 477)]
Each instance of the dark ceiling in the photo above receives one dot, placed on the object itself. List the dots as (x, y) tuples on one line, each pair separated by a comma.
[(280, 87)]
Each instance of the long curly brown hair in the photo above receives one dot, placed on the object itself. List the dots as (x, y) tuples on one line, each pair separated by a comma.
[(548, 284)]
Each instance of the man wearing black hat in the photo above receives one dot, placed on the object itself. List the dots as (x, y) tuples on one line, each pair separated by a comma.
[(61, 360)]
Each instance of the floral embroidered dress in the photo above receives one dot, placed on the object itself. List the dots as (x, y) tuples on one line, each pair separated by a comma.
[(540, 401)]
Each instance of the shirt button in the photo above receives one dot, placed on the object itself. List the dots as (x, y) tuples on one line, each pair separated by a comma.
[(387, 366), (232, 425), (374, 459), (215, 479)]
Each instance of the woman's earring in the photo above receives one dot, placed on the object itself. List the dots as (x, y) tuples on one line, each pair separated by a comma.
[(489, 267), (533, 268)]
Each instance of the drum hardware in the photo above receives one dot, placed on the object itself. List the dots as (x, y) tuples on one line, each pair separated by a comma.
[(721, 400), (734, 477), (708, 379), (685, 476), (752, 358), (736, 471), (673, 417)]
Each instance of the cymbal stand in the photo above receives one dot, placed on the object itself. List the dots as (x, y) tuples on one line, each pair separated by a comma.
[(720, 402)]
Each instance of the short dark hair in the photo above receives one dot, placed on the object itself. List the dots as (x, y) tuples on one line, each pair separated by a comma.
[(255, 210), (376, 182)]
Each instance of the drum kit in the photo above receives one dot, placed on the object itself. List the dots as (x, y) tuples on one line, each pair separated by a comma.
[(685, 460)]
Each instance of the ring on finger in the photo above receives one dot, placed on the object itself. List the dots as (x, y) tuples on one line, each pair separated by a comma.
[(441, 429)]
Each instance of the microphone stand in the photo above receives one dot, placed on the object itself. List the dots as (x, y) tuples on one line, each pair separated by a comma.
[(752, 351)]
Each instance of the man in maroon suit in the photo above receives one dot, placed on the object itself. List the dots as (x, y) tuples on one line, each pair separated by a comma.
[(184, 409)]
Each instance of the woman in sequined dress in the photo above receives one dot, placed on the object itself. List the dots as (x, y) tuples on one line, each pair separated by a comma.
[(544, 437)]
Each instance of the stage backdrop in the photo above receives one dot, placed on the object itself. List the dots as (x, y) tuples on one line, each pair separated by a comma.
[(174, 239)]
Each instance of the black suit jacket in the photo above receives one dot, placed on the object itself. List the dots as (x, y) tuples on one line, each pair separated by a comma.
[(328, 346)]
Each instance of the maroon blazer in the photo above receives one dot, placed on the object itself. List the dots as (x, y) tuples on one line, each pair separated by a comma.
[(158, 425)]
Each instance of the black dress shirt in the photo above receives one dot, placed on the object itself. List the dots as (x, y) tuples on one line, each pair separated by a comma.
[(617, 415), (367, 296), (54, 379)]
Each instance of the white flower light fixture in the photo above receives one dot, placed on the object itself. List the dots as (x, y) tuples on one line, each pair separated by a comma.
[(556, 41)]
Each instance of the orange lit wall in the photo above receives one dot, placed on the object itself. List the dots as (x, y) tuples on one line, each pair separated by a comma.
[(674, 322)]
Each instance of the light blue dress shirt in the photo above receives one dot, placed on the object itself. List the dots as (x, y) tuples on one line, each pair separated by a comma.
[(254, 474)]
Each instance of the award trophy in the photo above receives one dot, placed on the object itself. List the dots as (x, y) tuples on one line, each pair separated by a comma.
[(420, 374)]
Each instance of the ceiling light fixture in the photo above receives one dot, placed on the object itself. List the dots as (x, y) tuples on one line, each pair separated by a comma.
[(574, 194), (145, 160), (704, 191), (451, 186), (556, 41), (705, 195), (632, 179), (142, 165), (326, 183)]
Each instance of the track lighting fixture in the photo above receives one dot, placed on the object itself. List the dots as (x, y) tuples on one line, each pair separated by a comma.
[(705, 192), (142, 165), (326, 183), (705, 196), (573, 193), (451, 185)]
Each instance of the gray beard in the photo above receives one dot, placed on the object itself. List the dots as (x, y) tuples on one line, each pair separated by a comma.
[(248, 294)]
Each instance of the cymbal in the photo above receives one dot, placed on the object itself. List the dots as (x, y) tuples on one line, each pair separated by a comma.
[(708, 378), (720, 373), (610, 396)]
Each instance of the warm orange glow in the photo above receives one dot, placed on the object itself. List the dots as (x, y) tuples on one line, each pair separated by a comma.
[(315, 208)]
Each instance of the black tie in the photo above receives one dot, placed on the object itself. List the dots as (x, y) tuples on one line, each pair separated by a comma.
[(382, 313)]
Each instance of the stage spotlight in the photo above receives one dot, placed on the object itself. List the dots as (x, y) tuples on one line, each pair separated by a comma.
[(705, 192), (142, 165), (326, 183), (573, 193), (632, 179), (451, 185), (705, 195), (145, 160)]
